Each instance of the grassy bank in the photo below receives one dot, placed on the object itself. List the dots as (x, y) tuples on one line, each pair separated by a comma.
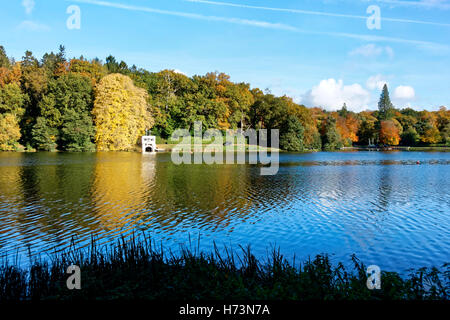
[(138, 269)]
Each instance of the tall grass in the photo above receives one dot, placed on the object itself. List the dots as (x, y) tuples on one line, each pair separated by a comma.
[(138, 269)]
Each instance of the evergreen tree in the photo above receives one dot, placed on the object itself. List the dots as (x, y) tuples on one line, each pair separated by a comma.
[(291, 138), (44, 137), (385, 107), (331, 139), (410, 137), (77, 132), (344, 111), (4, 60)]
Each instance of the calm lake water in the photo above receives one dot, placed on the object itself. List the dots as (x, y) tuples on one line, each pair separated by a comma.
[(381, 206)]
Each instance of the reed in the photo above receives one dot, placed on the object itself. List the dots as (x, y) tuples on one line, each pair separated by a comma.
[(139, 269)]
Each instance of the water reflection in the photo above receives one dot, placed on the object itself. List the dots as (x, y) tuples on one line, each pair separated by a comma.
[(382, 206)]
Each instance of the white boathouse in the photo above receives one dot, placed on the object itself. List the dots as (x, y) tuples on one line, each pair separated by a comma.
[(148, 144)]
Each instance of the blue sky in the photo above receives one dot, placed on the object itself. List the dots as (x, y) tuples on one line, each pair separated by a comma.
[(320, 52)]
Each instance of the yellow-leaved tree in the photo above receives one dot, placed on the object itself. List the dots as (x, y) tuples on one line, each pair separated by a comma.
[(9, 132), (121, 113)]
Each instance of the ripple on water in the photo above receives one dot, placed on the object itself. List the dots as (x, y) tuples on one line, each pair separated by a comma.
[(381, 206)]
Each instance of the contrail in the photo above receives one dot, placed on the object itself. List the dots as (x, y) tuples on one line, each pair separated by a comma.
[(255, 23), (320, 13), (261, 24), (424, 4)]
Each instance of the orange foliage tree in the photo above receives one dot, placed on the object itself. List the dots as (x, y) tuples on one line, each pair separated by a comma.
[(10, 75), (347, 127), (389, 133)]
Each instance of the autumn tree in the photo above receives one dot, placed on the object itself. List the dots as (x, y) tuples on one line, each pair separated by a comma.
[(430, 134), (240, 100), (311, 135), (426, 127), (121, 113), (389, 133), (92, 69), (12, 74), (347, 125), (12, 102), (443, 123), (9, 132)]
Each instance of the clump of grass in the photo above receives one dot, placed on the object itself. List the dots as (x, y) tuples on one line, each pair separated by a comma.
[(138, 269)]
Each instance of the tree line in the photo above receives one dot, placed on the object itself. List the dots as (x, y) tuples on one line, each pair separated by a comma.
[(78, 104)]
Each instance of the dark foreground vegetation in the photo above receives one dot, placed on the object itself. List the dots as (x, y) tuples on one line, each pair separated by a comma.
[(139, 270)]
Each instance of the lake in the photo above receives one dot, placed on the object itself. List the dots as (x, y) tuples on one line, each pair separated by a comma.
[(382, 206)]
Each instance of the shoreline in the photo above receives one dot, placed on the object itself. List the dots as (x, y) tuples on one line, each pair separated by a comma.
[(169, 148)]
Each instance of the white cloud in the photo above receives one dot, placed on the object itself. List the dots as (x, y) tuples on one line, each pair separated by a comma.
[(331, 95), (28, 5), (389, 52), (376, 82), (368, 50), (405, 93), (372, 50), (180, 72), (32, 26)]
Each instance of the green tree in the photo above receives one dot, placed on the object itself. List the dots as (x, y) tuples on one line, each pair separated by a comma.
[(4, 60), (385, 107), (77, 132), (344, 111), (446, 134), (410, 137), (67, 106), (12, 99), (52, 62), (291, 135), (44, 137), (331, 139)]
